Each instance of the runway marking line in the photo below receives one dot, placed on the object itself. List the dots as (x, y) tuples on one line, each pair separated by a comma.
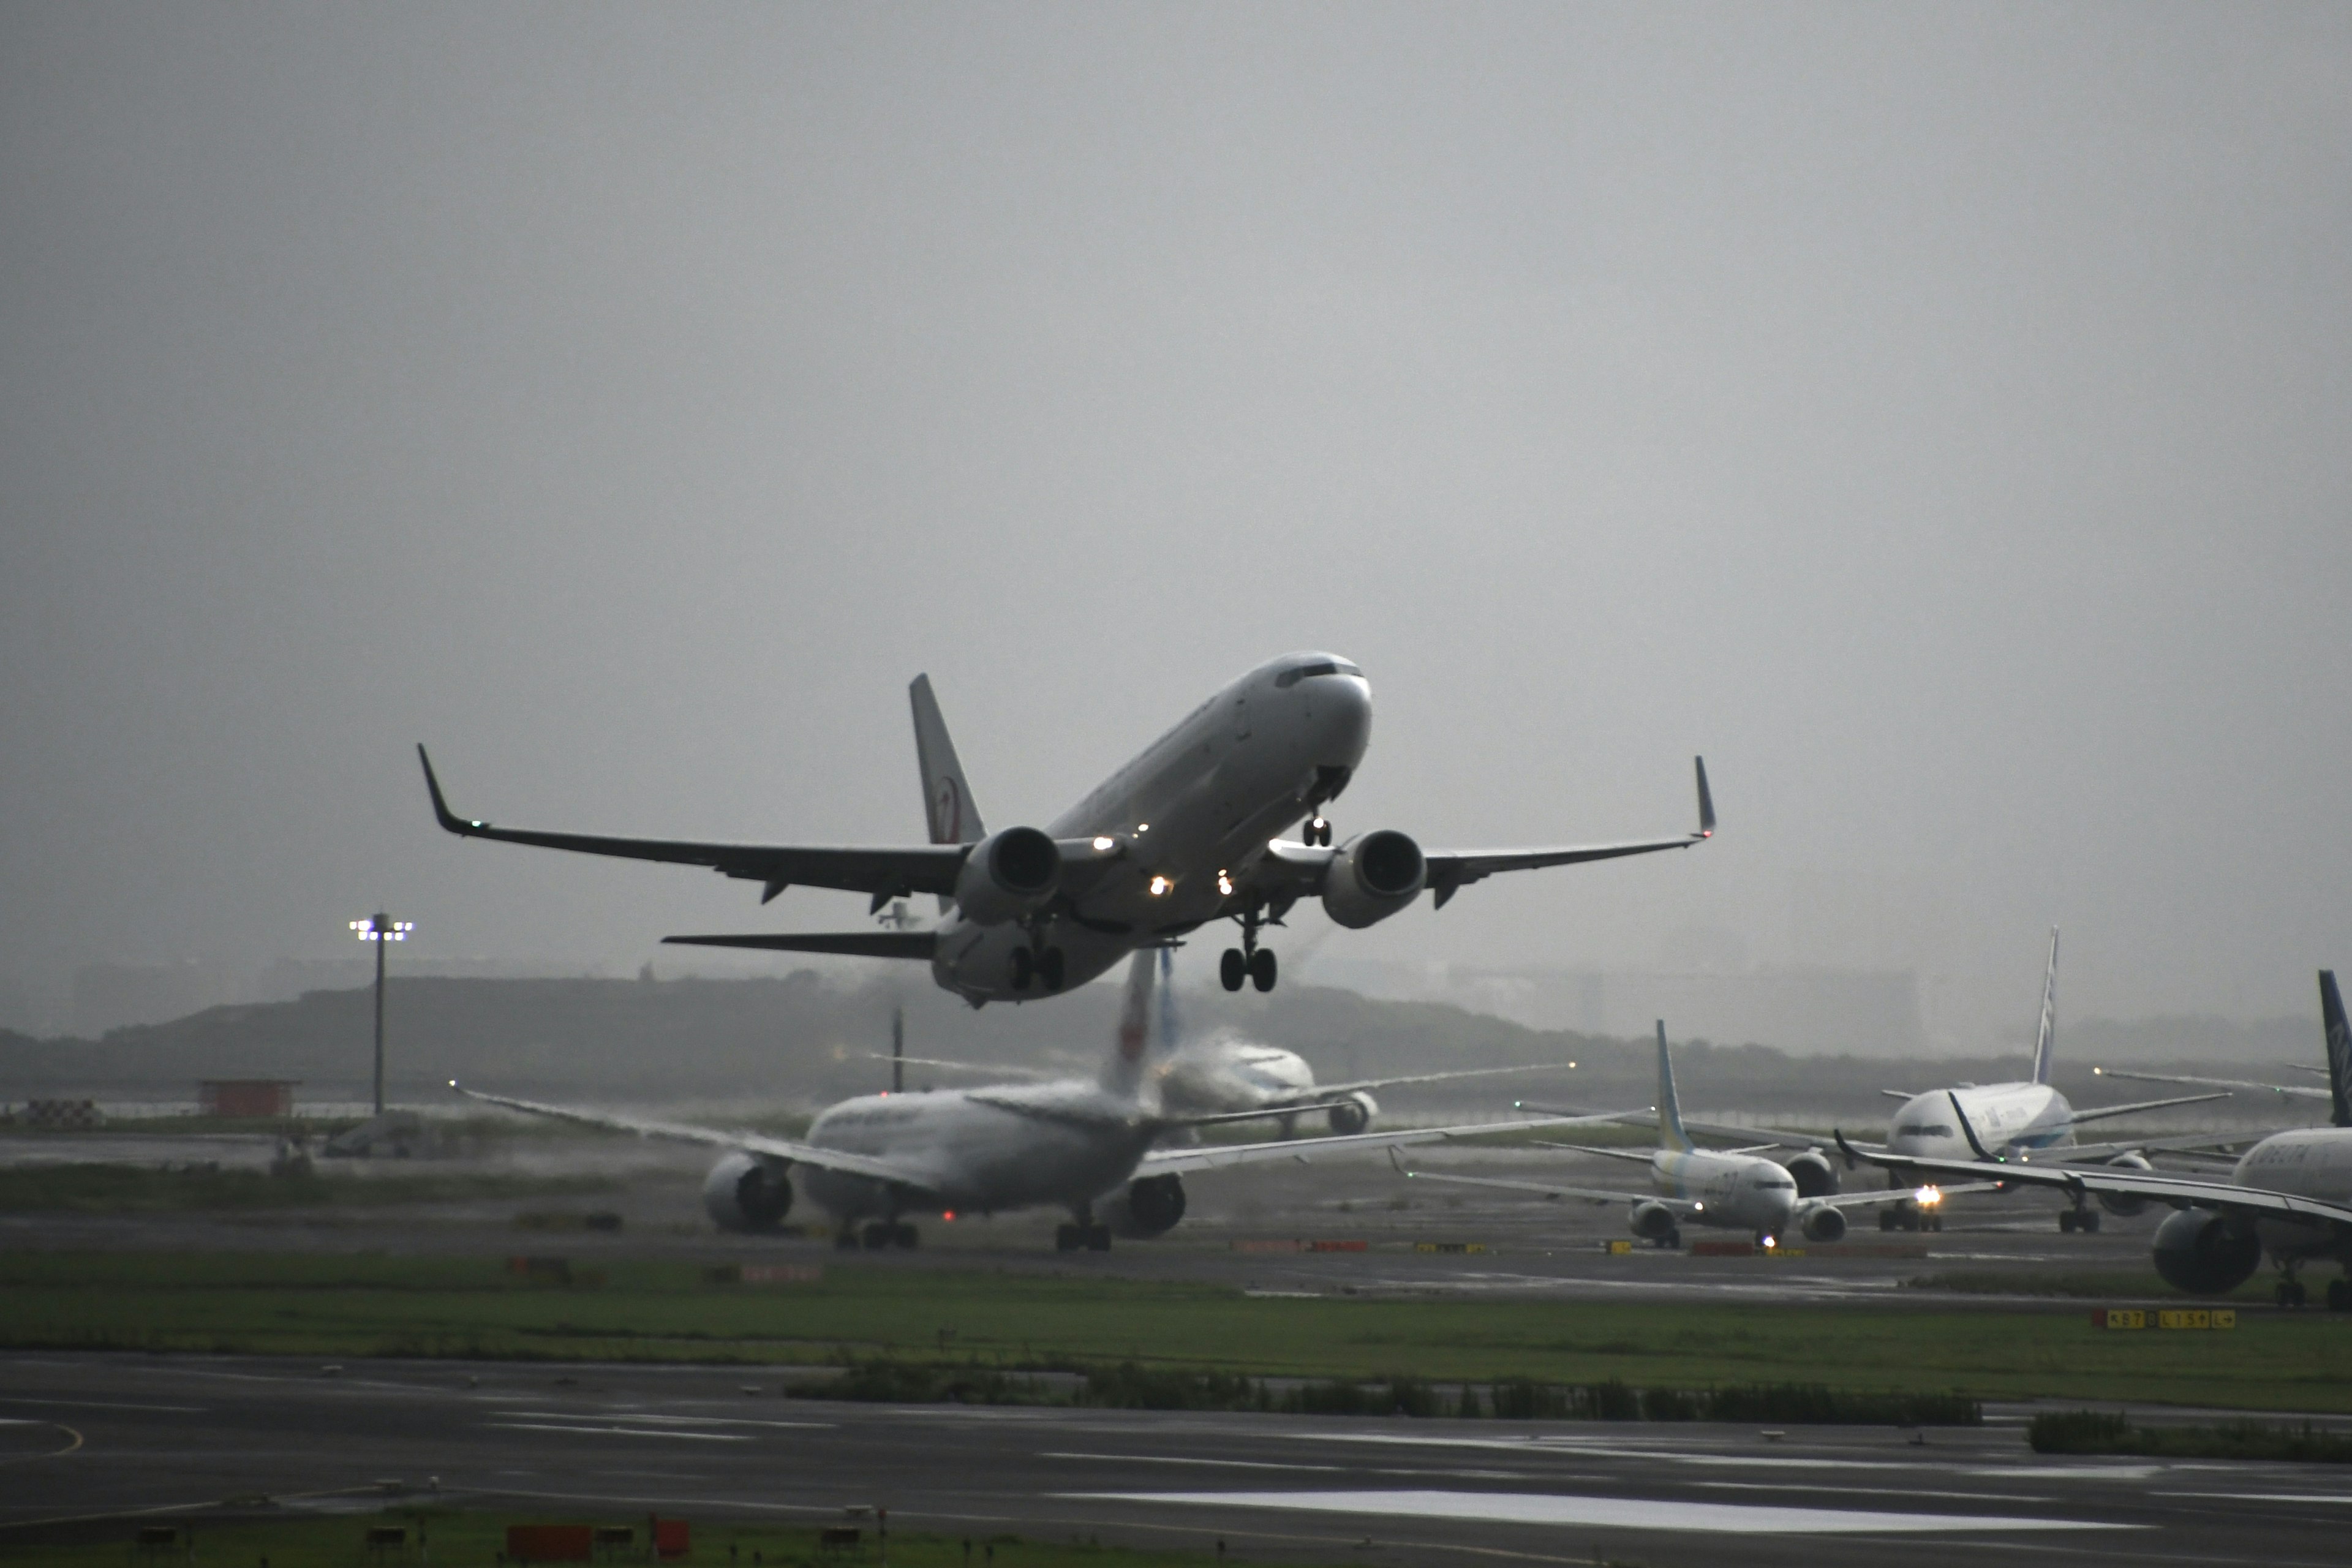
[(621, 1431), (1178, 1459), (101, 1404), (661, 1420), (1608, 1512)]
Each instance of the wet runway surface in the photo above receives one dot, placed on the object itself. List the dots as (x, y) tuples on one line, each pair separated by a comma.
[(119, 1436)]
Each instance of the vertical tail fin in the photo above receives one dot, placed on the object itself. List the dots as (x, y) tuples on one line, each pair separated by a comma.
[(1670, 1115), (897, 1050), (1169, 1037), (2045, 1040), (1123, 1073), (948, 804), (2339, 1048)]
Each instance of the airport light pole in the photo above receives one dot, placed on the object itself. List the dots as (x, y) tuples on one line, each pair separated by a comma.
[(381, 927)]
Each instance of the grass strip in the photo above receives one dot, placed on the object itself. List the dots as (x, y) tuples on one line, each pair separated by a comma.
[(2098, 1432), (132, 1189)]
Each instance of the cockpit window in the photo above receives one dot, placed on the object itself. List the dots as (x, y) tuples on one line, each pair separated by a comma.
[(1308, 671)]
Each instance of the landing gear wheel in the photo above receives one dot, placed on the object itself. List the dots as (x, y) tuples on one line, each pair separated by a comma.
[(2339, 1295), (1097, 1238), (845, 1239), (1232, 969), (1025, 966), (905, 1238), (2290, 1293), (2088, 1222), (1261, 969), (1936, 1222), (1049, 968), (1318, 831), (879, 1235), (1887, 1219), (2066, 1218), (1067, 1237)]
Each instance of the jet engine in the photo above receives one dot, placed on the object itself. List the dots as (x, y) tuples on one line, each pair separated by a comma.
[(1654, 1222), (1149, 1207), (2205, 1253), (1815, 1176), (1825, 1223), (1007, 874), (745, 1192), (1372, 877), (2123, 1205), (1354, 1112)]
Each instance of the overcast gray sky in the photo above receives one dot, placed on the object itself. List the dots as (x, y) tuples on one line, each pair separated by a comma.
[(1940, 417)]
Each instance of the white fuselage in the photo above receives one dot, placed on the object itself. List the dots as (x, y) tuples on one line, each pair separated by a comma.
[(1738, 1192), (1203, 799), (2308, 1162), (1210, 1078), (2006, 1117), (982, 1150)]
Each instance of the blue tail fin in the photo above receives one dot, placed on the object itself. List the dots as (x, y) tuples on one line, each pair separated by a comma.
[(2339, 1048), (2045, 1040), (1670, 1116)]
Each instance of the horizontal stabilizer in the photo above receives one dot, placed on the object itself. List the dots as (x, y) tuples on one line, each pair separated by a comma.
[(858, 944)]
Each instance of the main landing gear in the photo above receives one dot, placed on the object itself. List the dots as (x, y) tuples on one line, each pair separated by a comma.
[(1084, 1235), (879, 1235), (1248, 962), (1317, 831), (2085, 1219)]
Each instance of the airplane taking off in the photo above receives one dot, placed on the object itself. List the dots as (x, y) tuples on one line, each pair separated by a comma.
[(1732, 1189), (1186, 832), (1069, 1144), (2289, 1195)]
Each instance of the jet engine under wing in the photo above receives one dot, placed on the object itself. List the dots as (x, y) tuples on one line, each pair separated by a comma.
[(886, 870), (848, 1165), (1305, 1151), (2180, 1191)]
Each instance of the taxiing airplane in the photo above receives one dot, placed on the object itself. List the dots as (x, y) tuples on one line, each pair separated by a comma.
[(2289, 1195), (1732, 1189), (1187, 833), (1071, 1144)]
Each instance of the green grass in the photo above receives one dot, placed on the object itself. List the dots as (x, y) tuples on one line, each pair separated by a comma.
[(333, 1306), (2096, 1431), (133, 1189), (338, 1541), (2087, 1284)]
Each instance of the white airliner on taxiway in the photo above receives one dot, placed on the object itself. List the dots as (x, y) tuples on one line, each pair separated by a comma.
[(1732, 1189), (2289, 1195), (1069, 1144), (1185, 834)]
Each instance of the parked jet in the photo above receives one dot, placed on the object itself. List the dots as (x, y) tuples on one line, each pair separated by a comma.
[(2024, 1120), (1071, 1144), (2289, 1195), (1733, 1189), (1226, 1073), (1187, 833)]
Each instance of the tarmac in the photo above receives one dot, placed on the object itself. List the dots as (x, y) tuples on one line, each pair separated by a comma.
[(95, 1444)]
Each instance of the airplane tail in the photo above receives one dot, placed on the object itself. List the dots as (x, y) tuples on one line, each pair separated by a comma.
[(1169, 1035), (948, 804), (2339, 1048), (1670, 1116), (2045, 1040), (1123, 1073)]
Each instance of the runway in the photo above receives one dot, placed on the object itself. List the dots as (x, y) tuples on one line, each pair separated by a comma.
[(95, 1439)]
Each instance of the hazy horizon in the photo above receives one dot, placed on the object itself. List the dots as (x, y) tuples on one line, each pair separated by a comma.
[(1936, 417)]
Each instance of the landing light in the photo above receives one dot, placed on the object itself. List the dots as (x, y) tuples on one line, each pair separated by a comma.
[(1770, 1242), (1143, 827), (1103, 841), (1160, 886), (1225, 884), (1927, 1197)]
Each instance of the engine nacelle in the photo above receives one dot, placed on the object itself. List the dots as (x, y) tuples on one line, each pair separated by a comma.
[(2205, 1253), (1354, 1112), (1149, 1207), (1653, 1222), (1007, 874), (744, 1192), (1814, 1175), (1825, 1223), (2123, 1205), (1372, 877)]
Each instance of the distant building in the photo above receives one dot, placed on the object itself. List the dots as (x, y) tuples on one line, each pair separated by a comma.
[(260, 1097)]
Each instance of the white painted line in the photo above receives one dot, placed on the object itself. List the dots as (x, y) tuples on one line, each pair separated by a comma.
[(1173, 1460), (621, 1431), (1620, 1512), (99, 1405), (660, 1420), (1579, 1448), (2271, 1497)]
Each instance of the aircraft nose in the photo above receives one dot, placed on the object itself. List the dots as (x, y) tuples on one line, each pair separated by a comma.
[(1344, 717)]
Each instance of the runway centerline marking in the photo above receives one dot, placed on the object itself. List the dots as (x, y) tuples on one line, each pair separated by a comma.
[(659, 1420), (1621, 1512), (1175, 1459), (621, 1431), (101, 1404), (1577, 1447)]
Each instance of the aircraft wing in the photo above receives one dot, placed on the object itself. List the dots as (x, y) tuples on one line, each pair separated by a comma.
[(1351, 1085), (2292, 1091), (1892, 1196), (799, 1153), (1039, 1075), (1758, 1138), (1306, 1150), (2180, 1191), (886, 871), (1553, 1190), (2105, 1111), (1294, 868)]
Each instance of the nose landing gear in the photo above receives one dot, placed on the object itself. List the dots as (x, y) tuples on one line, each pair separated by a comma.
[(1037, 961)]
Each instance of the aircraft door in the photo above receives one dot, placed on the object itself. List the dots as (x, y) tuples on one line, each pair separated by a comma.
[(1241, 716)]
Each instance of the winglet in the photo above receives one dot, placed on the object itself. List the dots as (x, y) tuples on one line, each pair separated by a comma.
[(1706, 801), (1852, 1157), (448, 819), (1968, 1129)]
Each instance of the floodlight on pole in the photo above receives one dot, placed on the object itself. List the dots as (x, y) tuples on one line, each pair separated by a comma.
[(380, 929)]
